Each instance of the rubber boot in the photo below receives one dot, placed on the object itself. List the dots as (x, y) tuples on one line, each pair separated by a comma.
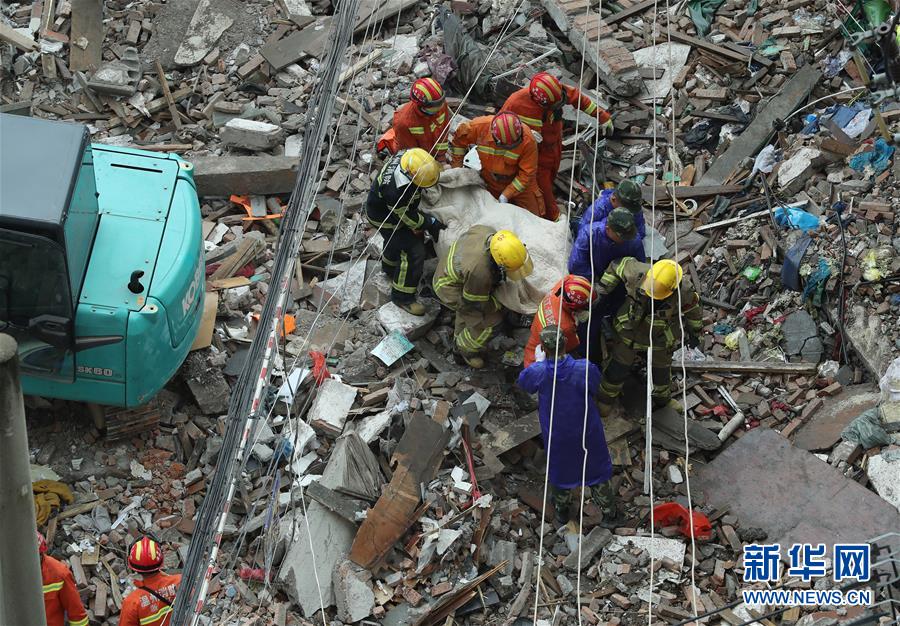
[(472, 360), (413, 307)]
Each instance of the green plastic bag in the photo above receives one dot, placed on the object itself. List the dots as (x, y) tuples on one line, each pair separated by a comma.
[(701, 12)]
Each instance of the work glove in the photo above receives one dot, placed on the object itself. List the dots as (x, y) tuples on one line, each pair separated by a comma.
[(582, 316), (503, 199), (606, 128), (538, 138), (434, 226), (539, 355)]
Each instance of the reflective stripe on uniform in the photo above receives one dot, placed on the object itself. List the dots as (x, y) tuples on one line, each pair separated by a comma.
[(381, 225), (531, 121), (518, 185), (589, 109), (156, 616), (417, 130), (475, 297), (509, 154), (441, 147), (450, 254), (81, 622), (457, 150), (53, 587), (400, 283)]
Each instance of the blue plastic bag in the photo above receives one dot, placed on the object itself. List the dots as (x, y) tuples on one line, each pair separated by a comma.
[(795, 218), (879, 158)]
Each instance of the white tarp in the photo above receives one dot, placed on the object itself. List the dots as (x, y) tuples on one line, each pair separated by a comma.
[(460, 202)]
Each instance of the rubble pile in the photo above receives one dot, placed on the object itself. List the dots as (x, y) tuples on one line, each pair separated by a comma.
[(386, 482)]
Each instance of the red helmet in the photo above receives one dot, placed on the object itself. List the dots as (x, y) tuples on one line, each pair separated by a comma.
[(577, 291), (545, 89), (506, 129), (426, 92), (42, 543), (145, 555)]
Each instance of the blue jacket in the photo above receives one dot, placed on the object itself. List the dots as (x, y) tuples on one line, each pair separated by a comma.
[(605, 250), (602, 207), (570, 422)]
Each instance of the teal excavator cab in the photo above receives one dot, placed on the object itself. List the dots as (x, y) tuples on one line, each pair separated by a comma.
[(101, 263)]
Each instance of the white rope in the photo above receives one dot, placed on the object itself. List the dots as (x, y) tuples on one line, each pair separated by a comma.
[(687, 444)]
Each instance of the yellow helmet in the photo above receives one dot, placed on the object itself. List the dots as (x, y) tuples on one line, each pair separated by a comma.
[(421, 167), (662, 279), (510, 253)]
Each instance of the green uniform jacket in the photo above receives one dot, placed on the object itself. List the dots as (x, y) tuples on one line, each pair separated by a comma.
[(632, 322)]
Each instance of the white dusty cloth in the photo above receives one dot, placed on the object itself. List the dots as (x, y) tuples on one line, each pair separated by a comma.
[(460, 202)]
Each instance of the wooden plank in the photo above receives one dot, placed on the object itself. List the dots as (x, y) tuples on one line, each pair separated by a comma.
[(87, 22), (516, 433), (167, 94), (696, 191), (334, 501), (100, 599), (621, 15), (20, 41), (748, 367)]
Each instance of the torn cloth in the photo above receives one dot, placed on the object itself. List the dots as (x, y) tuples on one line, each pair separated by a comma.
[(878, 159), (702, 12), (460, 202), (49, 495)]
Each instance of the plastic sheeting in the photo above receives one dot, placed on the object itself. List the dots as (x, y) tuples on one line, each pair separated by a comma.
[(460, 202)]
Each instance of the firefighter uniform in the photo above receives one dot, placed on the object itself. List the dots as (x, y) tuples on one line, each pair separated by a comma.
[(393, 208), (548, 122), (549, 313), (415, 129), (506, 171), (61, 599), (465, 280), (632, 329), (150, 604)]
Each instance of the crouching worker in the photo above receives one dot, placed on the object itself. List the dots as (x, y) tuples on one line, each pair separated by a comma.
[(465, 281), (575, 422)]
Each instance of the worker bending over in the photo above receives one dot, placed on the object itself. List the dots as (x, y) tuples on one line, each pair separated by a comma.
[(465, 281), (393, 208), (422, 122), (508, 154), (569, 298), (61, 599), (566, 387), (540, 107), (150, 604), (626, 196), (600, 242), (649, 288)]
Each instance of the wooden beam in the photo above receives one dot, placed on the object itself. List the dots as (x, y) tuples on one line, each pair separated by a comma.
[(20, 41), (87, 22), (748, 367), (696, 191), (170, 101), (632, 10)]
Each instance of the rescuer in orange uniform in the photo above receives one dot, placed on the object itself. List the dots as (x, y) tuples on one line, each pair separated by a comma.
[(508, 154), (61, 599), (575, 293), (150, 604), (422, 122), (540, 107)]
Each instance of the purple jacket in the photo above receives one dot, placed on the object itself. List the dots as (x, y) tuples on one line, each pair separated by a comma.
[(570, 422), (605, 250), (602, 207)]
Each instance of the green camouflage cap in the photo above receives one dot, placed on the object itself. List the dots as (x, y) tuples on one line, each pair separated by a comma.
[(621, 221), (552, 341), (629, 194)]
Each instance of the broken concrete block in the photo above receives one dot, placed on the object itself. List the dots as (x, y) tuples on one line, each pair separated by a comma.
[(292, 146), (352, 593), (503, 550), (591, 545), (884, 474), (801, 336), (119, 77), (394, 318), (345, 290), (799, 168), (207, 384), (329, 410), (206, 26), (251, 134)]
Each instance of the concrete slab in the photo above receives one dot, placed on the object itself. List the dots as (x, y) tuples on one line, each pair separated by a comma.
[(329, 410), (884, 473), (824, 428), (251, 134), (353, 594), (206, 26), (394, 318), (792, 495), (222, 176)]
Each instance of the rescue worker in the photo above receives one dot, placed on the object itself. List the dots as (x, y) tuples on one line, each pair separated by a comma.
[(393, 208), (660, 282), (600, 242), (62, 602), (466, 278), (422, 122), (576, 426), (508, 155), (540, 107), (150, 604), (569, 297), (626, 196)]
